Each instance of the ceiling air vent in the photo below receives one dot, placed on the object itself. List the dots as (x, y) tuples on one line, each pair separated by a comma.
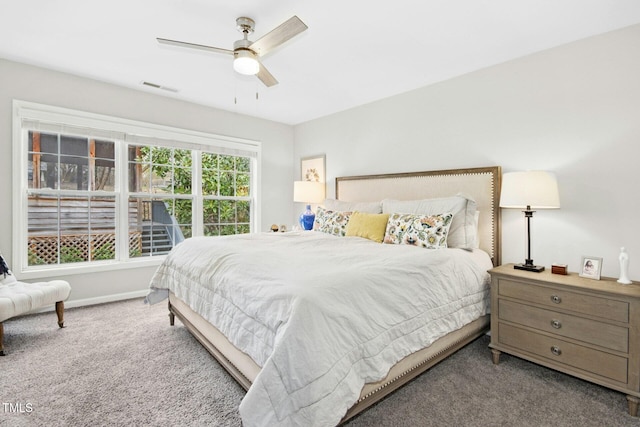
[(157, 86)]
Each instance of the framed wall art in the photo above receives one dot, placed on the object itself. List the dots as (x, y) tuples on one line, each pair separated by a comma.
[(312, 168), (590, 267)]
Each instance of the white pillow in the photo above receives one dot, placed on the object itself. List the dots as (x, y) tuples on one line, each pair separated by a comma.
[(462, 233), (339, 205)]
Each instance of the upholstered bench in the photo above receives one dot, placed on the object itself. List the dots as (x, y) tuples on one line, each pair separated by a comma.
[(18, 298)]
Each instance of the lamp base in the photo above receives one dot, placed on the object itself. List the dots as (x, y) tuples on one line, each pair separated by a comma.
[(307, 219), (529, 267)]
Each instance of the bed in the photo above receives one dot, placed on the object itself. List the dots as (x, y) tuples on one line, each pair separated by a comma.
[(317, 327)]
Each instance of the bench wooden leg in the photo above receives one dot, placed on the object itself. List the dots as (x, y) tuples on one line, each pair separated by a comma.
[(60, 313), (1, 338)]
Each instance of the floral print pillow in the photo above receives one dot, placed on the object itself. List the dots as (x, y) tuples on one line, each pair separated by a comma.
[(427, 231), (331, 222)]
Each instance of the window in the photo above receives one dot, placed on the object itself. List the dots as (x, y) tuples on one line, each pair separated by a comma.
[(71, 200), (97, 191), (160, 196), (226, 188)]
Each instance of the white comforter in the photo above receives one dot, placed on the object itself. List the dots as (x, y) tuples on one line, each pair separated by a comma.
[(320, 314)]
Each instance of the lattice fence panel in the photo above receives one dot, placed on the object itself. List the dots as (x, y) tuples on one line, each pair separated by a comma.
[(75, 248)]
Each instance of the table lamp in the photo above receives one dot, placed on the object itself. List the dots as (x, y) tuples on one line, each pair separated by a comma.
[(308, 192), (529, 190)]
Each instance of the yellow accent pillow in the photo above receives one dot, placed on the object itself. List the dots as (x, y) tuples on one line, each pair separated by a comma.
[(367, 225)]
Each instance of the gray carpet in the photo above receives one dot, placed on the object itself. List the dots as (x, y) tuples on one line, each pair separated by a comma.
[(122, 364)]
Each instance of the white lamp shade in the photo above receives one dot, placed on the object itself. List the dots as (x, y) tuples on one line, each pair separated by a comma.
[(245, 63), (308, 191), (537, 189)]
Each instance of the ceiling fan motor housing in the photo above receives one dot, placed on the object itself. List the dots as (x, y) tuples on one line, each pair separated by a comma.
[(242, 44)]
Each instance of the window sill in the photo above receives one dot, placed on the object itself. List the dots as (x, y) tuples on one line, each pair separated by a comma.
[(98, 267)]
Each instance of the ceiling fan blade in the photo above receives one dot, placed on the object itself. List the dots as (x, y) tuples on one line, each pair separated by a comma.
[(285, 31), (194, 46), (266, 77)]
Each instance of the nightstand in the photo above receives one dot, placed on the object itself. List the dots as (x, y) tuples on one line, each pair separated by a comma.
[(582, 327)]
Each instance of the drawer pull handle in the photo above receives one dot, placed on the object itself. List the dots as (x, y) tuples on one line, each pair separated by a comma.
[(556, 324), (556, 350), (556, 299)]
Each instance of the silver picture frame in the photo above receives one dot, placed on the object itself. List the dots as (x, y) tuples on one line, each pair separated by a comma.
[(590, 267)]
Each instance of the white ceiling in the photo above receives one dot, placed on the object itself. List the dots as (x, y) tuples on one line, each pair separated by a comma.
[(354, 52)]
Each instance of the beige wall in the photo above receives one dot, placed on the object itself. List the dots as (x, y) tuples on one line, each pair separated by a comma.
[(28, 83), (573, 110)]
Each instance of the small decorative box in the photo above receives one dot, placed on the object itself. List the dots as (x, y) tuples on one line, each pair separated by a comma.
[(559, 268)]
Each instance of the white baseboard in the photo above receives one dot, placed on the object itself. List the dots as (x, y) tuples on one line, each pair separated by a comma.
[(97, 300), (106, 298)]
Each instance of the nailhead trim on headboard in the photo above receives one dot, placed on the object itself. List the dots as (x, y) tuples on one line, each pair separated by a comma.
[(482, 184)]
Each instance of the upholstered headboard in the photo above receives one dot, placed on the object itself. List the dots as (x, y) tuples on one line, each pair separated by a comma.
[(482, 184)]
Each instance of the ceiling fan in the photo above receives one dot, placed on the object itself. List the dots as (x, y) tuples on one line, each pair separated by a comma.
[(246, 53)]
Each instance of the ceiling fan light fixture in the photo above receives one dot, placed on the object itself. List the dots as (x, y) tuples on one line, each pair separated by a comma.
[(245, 62)]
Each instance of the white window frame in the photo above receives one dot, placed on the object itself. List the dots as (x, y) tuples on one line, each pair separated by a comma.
[(123, 132)]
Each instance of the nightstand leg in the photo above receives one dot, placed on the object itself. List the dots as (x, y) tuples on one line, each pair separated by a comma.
[(496, 356), (633, 405)]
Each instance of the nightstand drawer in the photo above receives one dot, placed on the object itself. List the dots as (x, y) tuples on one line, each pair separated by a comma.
[(559, 351), (560, 299), (590, 331)]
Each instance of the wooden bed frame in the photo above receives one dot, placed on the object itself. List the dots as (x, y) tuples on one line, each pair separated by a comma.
[(482, 184)]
